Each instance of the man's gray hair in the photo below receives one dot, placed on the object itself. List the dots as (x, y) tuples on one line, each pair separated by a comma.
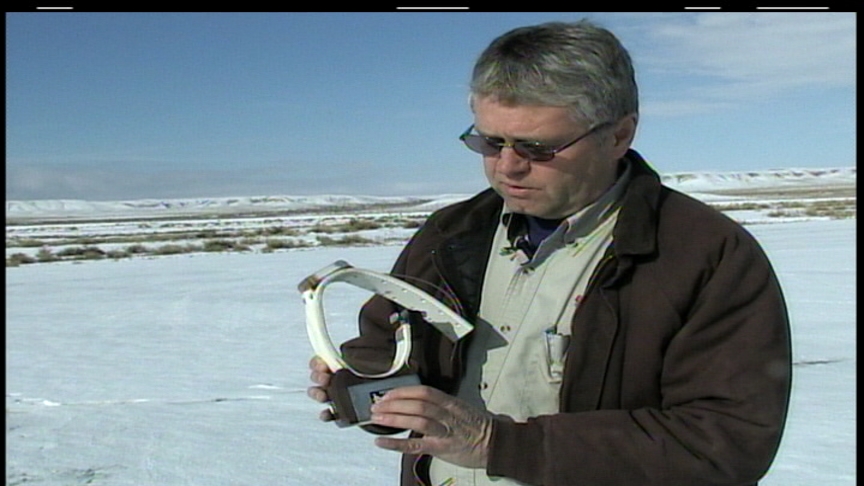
[(577, 65)]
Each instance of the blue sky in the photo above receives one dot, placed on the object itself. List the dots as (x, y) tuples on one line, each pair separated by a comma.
[(114, 106)]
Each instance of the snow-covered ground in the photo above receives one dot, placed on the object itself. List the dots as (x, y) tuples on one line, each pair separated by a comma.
[(191, 369)]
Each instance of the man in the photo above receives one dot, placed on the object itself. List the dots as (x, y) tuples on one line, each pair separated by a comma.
[(625, 334)]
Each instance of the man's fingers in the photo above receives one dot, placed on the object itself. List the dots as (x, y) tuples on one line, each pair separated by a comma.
[(428, 418), (405, 446), (320, 373), (451, 429), (316, 363), (319, 378), (326, 416), (317, 393), (408, 407), (417, 392), (320, 396), (424, 425)]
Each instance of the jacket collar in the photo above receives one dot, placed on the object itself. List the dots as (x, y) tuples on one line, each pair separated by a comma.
[(636, 230), (466, 234), (467, 230)]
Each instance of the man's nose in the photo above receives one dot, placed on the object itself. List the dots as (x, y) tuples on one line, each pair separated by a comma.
[(509, 162)]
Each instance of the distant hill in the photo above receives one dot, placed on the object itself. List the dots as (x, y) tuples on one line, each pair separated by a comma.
[(697, 183), (719, 181)]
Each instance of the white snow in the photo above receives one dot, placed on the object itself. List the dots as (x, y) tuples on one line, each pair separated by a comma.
[(71, 210), (697, 183), (710, 181), (192, 369)]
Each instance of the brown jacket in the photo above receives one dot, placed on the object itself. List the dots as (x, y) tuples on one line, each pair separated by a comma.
[(679, 369)]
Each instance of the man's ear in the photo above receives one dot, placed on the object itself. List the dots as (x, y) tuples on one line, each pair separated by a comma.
[(622, 134)]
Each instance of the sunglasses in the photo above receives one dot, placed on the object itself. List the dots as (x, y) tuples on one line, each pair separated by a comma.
[(533, 151)]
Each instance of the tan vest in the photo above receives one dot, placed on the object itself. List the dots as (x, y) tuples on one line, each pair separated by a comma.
[(516, 356)]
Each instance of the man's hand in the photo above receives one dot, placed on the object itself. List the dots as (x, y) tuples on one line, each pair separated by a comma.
[(320, 375), (453, 431)]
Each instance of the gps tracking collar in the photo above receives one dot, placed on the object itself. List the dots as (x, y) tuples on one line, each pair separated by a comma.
[(353, 392)]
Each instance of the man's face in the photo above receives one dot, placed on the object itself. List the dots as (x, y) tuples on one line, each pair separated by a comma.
[(557, 188)]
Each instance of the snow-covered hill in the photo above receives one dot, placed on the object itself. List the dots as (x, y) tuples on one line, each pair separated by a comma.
[(691, 182), (780, 178), (65, 209)]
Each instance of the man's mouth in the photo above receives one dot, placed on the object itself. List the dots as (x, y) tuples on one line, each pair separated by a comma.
[(515, 190)]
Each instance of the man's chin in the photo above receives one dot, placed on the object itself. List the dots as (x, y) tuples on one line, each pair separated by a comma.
[(528, 208)]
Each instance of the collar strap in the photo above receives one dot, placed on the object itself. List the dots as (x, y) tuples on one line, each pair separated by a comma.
[(443, 318)]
